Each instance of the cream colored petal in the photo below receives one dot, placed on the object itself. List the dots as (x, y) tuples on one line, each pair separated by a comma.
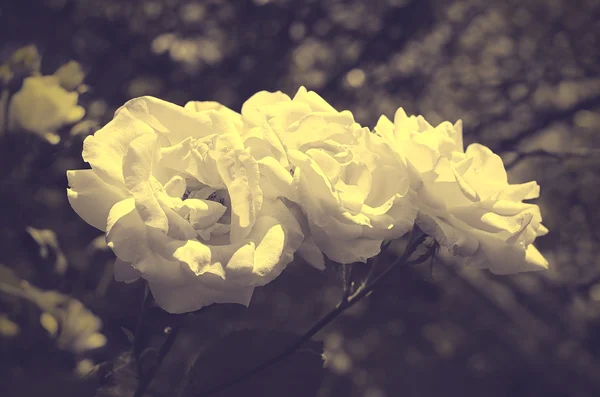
[(125, 272), (199, 107), (385, 128), (277, 235), (457, 241), (275, 180), (314, 100), (345, 251), (519, 192), (91, 197), (138, 163), (203, 213), (106, 149), (386, 182), (191, 297), (176, 186), (132, 241), (251, 109), (534, 259), (315, 187), (271, 245), (330, 167), (457, 135), (312, 254), (171, 120), (283, 115), (195, 160), (486, 166), (542, 230), (241, 175)]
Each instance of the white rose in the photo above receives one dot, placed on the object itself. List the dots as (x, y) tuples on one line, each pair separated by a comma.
[(465, 201), (180, 199), (42, 106), (352, 187)]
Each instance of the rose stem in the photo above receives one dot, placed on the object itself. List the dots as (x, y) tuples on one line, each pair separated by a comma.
[(345, 304), (162, 353), (164, 350)]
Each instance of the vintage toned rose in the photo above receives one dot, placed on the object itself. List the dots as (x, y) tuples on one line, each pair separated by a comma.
[(181, 201), (353, 189), (465, 200), (42, 106)]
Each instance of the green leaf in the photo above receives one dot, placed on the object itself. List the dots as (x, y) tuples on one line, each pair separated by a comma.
[(48, 250), (298, 375)]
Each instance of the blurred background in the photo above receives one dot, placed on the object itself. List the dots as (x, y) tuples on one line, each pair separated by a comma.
[(524, 76)]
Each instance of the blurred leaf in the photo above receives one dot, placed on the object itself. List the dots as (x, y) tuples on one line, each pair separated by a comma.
[(70, 75), (9, 277), (130, 336), (299, 374), (121, 379), (26, 60), (53, 383), (49, 323), (8, 328), (49, 250), (84, 128)]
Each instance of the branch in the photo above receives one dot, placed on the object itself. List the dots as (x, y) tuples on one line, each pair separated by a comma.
[(545, 120), (577, 153), (344, 304)]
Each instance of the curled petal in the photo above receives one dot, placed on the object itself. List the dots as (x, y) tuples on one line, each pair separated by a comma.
[(91, 197), (241, 175), (193, 296)]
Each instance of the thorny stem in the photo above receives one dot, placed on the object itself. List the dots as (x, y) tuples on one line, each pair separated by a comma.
[(346, 303)]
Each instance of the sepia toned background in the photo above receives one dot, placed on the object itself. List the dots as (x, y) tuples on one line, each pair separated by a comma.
[(524, 76)]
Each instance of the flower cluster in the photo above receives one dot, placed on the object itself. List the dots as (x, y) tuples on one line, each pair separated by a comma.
[(207, 204)]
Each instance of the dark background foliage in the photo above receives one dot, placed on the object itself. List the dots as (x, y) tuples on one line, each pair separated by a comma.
[(523, 75)]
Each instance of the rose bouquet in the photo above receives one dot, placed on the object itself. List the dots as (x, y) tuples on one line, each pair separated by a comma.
[(206, 204)]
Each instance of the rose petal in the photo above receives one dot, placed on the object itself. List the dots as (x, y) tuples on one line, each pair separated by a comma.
[(251, 109), (241, 175), (91, 197), (125, 272), (311, 98), (137, 171), (191, 297), (311, 253)]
